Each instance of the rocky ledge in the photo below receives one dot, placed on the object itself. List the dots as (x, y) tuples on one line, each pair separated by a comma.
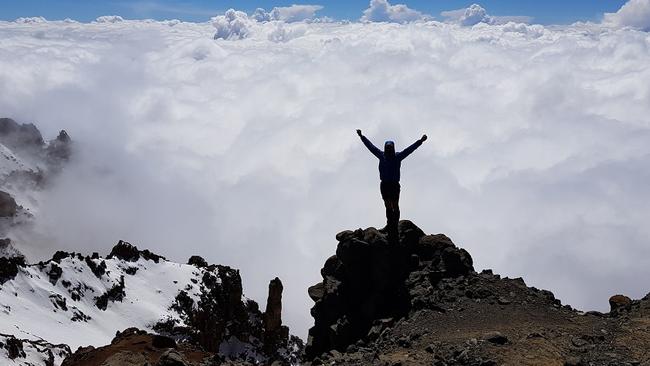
[(422, 303)]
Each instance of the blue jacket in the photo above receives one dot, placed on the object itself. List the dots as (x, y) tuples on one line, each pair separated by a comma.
[(389, 166)]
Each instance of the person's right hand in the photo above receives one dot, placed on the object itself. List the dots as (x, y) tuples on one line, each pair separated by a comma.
[(359, 132)]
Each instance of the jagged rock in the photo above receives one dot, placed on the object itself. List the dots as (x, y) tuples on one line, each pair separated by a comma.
[(20, 136), (275, 335), (618, 303), (128, 252), (367, 280), (25, 351), (9, 268), (59, 149), (54, 273), (98, 269), (14, 348), (197, 261), (8, 206), (115, 293)]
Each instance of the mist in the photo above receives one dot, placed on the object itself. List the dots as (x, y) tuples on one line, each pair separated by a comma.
[(244, 151)]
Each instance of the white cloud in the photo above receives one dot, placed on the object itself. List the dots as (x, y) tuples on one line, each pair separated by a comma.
[(260, 15), (475, 14), (294, 13), (232, 25), (31, 20), (383, 11), (235, 24), (245, 152), (109, 19), (634, 13)]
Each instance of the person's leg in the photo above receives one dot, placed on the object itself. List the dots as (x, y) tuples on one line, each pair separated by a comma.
[(392, 218)]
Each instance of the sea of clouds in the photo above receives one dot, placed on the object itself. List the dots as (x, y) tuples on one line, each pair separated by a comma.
[(243, 148)]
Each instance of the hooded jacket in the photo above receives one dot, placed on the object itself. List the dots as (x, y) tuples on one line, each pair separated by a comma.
[(389, 166)]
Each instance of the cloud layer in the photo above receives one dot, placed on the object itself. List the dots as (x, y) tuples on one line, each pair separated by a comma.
[(244, 150)]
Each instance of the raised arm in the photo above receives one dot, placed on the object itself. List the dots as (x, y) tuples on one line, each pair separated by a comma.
[(373, 149), (406, 152)]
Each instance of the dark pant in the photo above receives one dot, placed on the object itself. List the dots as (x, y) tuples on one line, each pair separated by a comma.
[(390, 194)]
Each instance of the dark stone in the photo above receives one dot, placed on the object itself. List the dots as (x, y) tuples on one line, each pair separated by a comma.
[(317, 291), (368, 279), (128, 252), (495, 338), (54, 273), (115, 293), (275, 335), (9, 268), (97, 269), (8, 206), (160, 341), (197, 261), (14, 348), (59, 255)]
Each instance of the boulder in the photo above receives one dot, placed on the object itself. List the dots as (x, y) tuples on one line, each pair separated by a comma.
[(172, 358), (197, 261), (618, 303)]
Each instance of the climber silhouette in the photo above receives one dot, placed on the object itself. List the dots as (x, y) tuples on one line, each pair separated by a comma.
[(389, 174)]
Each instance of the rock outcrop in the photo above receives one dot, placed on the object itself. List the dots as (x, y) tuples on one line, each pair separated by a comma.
[(198, 306), (27, 164), (8, 206), (422, 303), (276, 335), (367, 280), (137, 347)]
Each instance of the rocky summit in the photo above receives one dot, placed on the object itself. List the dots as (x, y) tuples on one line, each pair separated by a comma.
[(422, 303)]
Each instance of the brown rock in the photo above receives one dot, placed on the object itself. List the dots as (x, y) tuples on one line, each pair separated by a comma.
[(619, 302), (125, 358)]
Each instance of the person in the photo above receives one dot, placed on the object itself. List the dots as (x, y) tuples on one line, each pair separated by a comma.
[(389, 174)]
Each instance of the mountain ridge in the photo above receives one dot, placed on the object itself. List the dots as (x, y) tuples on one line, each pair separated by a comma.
[(84, 300)]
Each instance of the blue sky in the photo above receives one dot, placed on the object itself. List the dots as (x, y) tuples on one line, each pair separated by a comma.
[(544, 12)]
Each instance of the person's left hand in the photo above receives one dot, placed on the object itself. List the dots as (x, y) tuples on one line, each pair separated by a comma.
[(424, 138)]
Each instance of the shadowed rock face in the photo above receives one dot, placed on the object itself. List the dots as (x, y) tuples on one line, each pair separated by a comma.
[(366, 281), (20, 136), (8, 206), (275, 334)]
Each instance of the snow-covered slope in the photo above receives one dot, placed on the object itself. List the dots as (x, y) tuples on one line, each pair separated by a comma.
[(62, 301), (9, 162), (79, 300), (15, 351)]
